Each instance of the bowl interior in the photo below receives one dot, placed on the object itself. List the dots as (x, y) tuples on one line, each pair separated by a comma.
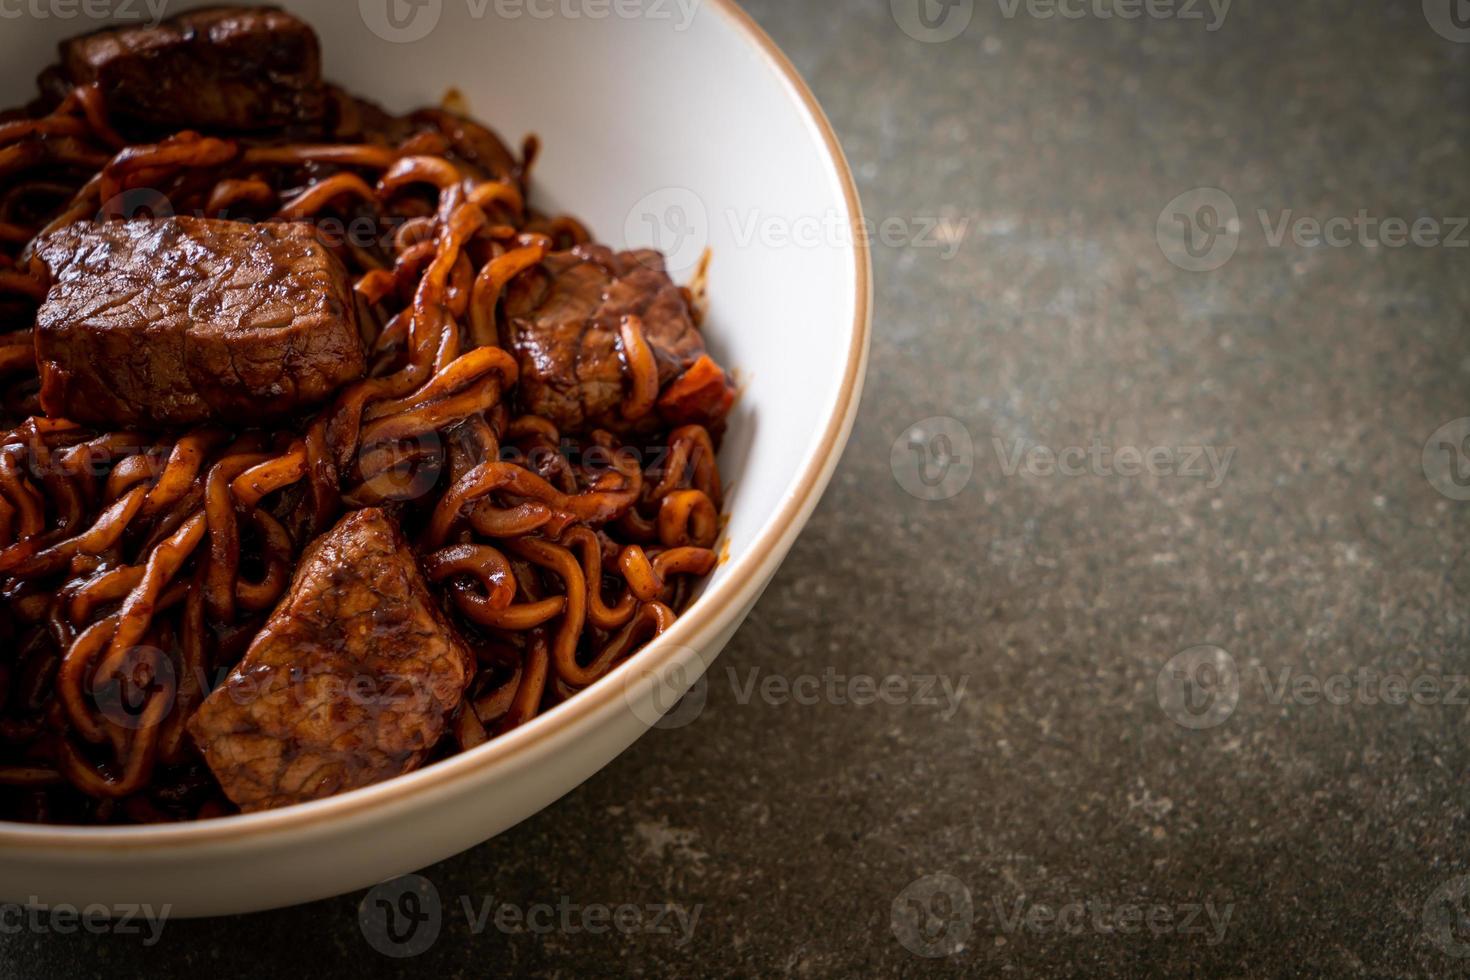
[(668, 129)]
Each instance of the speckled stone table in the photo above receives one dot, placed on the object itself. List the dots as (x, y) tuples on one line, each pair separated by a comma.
[(1155, 512)]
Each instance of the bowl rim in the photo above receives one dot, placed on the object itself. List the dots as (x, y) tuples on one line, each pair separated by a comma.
[(747, 576)]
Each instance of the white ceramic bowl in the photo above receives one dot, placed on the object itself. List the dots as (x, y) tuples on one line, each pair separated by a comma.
[(685, 122)]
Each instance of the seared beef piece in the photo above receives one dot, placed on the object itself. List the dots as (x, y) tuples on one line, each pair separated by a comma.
[(225, 68), (172, 321), (348, 684), (563, 325)]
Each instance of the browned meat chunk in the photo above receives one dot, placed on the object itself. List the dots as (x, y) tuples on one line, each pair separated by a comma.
[(174, 321), (222, 68), (564, 324), (348, 684)]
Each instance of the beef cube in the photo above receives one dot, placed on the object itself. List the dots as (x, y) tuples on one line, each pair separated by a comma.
[(563, 326), (348, 684), (224, 68), (173, 321)]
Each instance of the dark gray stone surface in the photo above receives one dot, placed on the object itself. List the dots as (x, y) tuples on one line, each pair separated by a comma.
[(1060, 782)]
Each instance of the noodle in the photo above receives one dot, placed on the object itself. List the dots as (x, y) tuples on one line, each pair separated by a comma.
[(135, 570)]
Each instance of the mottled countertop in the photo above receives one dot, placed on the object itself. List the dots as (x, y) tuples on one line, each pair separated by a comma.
[(1177, 612)]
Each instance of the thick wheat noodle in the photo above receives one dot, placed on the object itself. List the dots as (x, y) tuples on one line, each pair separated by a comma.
[(30, 509), (687, 517), (343, 155), (690, 448), (569, 634), (644, 581), (413, 231), (532, 686), (72, 674), (650, 622), (181, 470), (22, 129), (641, 367), (515, 618), (94, 108), (132, 471), (191, 681), (324, 192), (231, 191), (17, 360), (224, 533), (599, 613), (183, 150), (24, 561), (491, 282), (593, 507), (484, 564), (137, 768), (23, 284), (419, 170), (262, 595), (141, 604), (266, 478), (685, 561), (108, 587), (375, 286)]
